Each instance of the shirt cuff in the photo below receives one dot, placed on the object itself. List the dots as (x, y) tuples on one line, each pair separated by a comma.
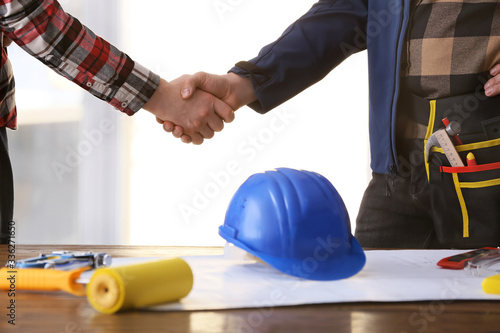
[(257, 80), (137, 89)]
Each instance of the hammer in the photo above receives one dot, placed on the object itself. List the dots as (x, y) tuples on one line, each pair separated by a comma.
[(441, 139)]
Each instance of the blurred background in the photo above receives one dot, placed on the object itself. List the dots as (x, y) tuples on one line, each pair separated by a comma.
[(87, 174)]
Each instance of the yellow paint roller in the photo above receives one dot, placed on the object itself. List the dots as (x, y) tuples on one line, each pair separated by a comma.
[(139, 285)]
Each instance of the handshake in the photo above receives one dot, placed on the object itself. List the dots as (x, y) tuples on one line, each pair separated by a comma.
[(194, 107)]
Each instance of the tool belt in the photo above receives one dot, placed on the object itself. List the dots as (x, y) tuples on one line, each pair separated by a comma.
[(464, 201)]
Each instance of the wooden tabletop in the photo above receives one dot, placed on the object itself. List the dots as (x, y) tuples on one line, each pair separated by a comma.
[(58, 312)]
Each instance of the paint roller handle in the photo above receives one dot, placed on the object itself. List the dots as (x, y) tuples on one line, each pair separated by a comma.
[(42, 279)]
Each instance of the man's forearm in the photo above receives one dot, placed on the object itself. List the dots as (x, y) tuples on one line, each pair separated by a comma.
[(81, 56), (306, 52)]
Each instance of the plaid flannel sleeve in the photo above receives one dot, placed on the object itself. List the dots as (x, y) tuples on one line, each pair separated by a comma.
[(46, 31)]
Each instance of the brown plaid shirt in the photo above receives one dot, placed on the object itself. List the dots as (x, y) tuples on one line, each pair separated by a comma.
[(451, 46)]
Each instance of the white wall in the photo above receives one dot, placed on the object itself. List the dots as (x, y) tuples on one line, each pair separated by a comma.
[(179, 193)]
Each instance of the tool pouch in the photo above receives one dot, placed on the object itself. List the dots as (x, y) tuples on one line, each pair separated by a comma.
[(465, 201)]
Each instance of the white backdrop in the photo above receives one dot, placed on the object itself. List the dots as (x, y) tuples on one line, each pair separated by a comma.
[(179, 193)]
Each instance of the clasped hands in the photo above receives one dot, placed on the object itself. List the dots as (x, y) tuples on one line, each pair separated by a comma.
[(194, 107)]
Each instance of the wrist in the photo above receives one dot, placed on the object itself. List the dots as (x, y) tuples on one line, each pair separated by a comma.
[(157, 102), (242, 90)]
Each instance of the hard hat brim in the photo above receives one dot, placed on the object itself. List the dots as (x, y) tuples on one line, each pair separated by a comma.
[(330, 266)]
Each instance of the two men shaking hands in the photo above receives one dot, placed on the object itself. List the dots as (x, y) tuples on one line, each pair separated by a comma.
[(194, 107)]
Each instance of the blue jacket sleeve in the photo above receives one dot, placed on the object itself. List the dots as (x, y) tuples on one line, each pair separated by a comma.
[(306, 52)]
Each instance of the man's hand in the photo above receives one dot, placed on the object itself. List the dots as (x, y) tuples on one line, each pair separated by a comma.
[(200, 116), (232, 89), (492, 87)]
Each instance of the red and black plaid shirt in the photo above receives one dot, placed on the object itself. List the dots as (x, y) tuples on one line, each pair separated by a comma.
[(8, 114), (44, 30)]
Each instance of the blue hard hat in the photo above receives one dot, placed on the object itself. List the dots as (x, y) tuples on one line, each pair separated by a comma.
[(296, 222)]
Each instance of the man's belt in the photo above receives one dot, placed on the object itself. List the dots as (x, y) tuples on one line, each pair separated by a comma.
[(478, 115)]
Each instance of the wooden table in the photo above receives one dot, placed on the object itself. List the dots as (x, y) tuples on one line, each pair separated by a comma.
[(59, 312)]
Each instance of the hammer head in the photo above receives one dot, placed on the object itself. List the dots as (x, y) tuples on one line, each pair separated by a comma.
[(452, 129)]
